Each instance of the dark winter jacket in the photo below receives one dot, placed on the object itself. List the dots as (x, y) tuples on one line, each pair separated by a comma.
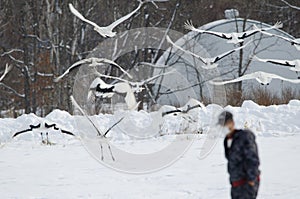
[(242, 156)]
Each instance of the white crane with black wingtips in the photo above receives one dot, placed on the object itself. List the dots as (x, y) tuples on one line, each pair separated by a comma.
[(104, 90), (93, 62), (294, 65), (107, 31), (209, 63), (293, 42), (101, 137), (44, 127), (233, 37)]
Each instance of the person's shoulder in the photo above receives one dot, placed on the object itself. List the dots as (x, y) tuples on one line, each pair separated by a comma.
[(246, 133)]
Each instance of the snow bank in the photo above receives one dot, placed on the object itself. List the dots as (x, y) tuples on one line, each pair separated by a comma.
[(275, 120)]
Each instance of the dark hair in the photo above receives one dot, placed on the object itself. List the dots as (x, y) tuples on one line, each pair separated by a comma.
[(225, 117)]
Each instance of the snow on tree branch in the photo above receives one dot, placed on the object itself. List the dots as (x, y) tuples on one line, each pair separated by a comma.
[(290, 5), (12, 90)]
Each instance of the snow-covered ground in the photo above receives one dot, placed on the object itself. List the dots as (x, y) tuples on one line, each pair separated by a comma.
[(66, 170)]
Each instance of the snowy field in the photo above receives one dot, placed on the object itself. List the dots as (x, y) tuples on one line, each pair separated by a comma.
[(66, 170)]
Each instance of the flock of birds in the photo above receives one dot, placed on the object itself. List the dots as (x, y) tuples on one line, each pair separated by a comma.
[(238, 38), (100, 88)]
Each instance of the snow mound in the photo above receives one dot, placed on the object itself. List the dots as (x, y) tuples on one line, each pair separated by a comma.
[(55, 114), (294, 103), (250, 105)]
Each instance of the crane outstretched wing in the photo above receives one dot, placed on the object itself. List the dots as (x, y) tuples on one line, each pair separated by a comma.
[(80, 16), (186, 51), (221, 56), (275, 61), (294, 81), (242, 78), (26, 130), (67, 132), (124, 18), (188, 25)]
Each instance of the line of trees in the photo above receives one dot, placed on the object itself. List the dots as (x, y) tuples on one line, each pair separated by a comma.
[(42, 38)]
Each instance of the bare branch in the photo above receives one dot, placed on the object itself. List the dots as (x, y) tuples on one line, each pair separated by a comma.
[(11, 51), (12, 90), (290, 5), (6, 71)]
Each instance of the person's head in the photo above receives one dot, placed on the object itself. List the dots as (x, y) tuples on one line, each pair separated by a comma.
[(226, 120)]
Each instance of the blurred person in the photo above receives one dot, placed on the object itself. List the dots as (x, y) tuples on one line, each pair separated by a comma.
[(243, 160)]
